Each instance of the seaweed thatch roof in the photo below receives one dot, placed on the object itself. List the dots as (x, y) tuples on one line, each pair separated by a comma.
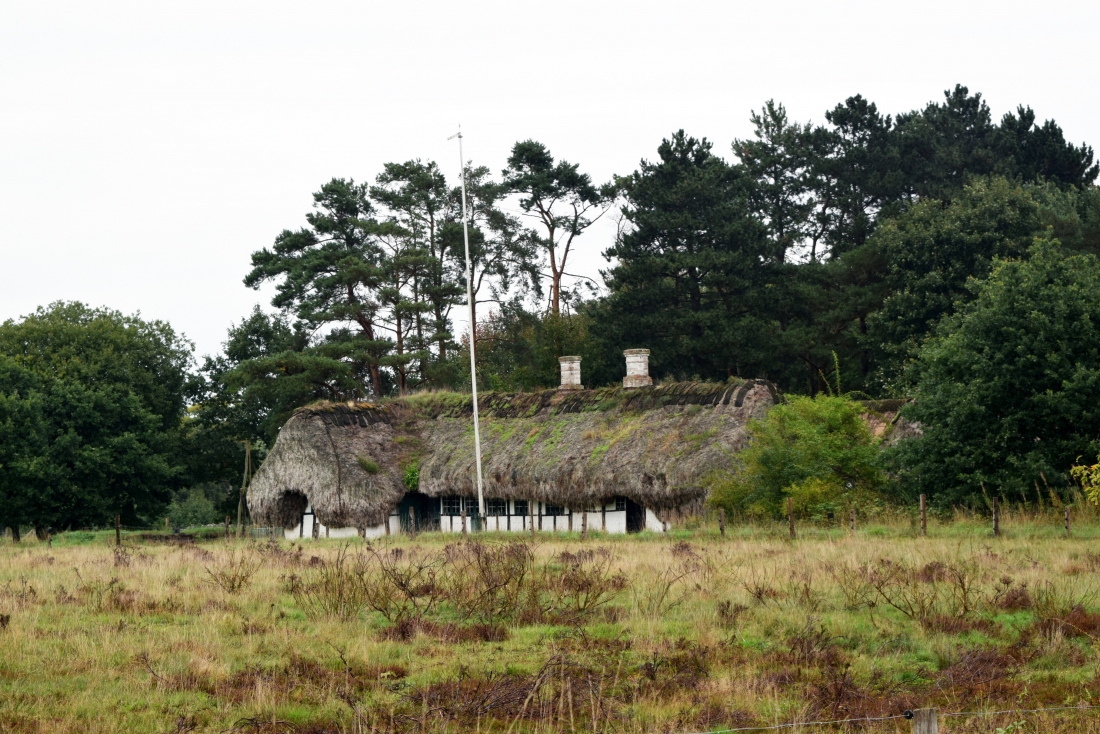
[(661, 447)]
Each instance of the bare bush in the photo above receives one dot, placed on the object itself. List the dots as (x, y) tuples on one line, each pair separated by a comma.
[(583, 584), (900, 587), (854, 582), (236, 570), (490, 582), (759, 583), (402, 586), (333, 588), (660, 591)]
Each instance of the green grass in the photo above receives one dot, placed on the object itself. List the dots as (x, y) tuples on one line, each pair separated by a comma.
[(753, 629)]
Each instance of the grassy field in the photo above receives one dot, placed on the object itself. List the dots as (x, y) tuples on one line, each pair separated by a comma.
[(686, 633)]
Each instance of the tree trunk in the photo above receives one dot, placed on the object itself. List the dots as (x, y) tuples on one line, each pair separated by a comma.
[(442, 338), (376, 381), (402, 382), (15, 537)]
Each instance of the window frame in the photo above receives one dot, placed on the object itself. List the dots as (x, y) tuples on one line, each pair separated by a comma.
[(449, 503)]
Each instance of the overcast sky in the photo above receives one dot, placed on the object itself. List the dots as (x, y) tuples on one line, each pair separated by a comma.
[(148, 148)]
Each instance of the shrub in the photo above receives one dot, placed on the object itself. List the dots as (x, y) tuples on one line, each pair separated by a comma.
[(1089, 477), (818, 451), (332, 588), (236, 570), (192, 508)]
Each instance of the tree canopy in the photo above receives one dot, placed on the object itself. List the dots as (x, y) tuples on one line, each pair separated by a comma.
[(92, 412), (893, 253), (1008, 388)]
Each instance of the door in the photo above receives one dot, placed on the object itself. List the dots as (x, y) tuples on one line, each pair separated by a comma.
[(635, 517), (424, 513)]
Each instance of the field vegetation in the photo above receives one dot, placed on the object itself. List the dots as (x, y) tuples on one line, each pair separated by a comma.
[(691, 632)]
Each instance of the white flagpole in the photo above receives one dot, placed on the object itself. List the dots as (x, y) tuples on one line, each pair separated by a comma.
[(473, 328)]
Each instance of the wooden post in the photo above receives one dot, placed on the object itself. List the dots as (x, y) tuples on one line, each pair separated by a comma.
[(790, 515), (166, 523), (722, 521), (49, 539), (227, 528), (852, 521), (925, 722), (387, 523), (923, 516), (531, 516), (412, 522), (570, 520), (118, 530), (584, 525), (1067, 522), (603, 517), (463, 518), (996, 518)]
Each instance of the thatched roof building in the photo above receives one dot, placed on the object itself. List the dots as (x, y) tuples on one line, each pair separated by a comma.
[(659, 447)]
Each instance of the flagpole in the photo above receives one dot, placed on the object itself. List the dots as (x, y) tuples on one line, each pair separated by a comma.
[(473, 328)]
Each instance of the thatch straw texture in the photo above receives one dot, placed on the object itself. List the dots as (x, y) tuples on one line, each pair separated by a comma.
[(661, 447), (342, 459)]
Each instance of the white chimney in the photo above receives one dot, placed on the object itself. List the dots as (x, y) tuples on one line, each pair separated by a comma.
[(637, 368), (570, 373)]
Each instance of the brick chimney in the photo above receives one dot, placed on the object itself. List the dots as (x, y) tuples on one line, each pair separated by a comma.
[(637, 368), (570, 373)]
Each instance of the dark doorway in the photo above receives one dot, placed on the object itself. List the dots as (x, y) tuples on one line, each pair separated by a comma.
[(635, 517), (424, 513)]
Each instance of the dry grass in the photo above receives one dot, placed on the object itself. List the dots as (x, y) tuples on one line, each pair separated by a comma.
[(623, 634)]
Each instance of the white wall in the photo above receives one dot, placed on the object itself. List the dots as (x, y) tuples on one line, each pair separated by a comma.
[(652, 522), (615, 519)]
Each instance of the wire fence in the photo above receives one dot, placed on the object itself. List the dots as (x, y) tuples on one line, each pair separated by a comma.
[(906, 715)]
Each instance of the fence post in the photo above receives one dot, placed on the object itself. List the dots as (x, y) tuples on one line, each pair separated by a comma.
[(923, 516), (584, 525), (463, 518), (996, 518), (722, 521), (412, 522), (1067, 522), (790, 515), (227, 528), (118, 530), (925, 722), (852, 521)]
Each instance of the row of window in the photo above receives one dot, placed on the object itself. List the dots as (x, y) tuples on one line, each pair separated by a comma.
[(499, 508)]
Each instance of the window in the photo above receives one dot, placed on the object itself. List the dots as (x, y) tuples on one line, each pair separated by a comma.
[(519, 507), (553, 510), (470, 503), (496, 508), (452, 506), (620, 504)]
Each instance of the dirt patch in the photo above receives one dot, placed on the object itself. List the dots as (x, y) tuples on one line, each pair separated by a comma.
[(445, 632), (299, 678), (953, 625), (274, 725), (166, 539), (1075, 623), (977, 669)]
